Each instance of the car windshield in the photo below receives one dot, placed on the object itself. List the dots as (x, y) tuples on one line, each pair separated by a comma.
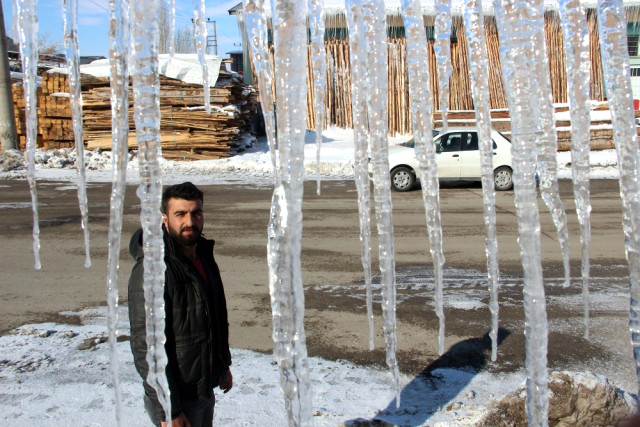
[(504, 136), (411, 144)]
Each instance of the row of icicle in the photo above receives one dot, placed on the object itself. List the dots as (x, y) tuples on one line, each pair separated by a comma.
[(133, 34)]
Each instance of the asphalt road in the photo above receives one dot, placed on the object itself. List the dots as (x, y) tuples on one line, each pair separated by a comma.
[(335, 321)]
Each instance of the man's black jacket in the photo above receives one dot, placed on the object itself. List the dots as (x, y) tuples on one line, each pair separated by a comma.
[(196, 327)]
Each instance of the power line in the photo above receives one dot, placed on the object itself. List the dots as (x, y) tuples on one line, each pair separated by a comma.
[(99, 5)]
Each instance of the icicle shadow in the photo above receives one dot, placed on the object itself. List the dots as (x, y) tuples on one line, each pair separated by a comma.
[(429, 391)]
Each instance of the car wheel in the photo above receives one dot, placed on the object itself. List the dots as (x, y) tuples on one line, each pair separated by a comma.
[(402, 179), (503, 177)]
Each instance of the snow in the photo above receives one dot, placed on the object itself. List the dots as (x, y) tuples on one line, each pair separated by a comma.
[(47, 380), (252, 167)]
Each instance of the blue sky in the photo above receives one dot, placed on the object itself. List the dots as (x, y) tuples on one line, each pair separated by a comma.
[(93, 25)]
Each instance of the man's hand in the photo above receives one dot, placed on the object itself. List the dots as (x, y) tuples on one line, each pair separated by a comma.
[(226, 381), (179, 421)]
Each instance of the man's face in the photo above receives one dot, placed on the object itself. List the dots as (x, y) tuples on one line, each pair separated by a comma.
[(184, 220)]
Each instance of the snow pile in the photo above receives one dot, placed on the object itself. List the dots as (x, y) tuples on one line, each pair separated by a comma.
[(576, 399)]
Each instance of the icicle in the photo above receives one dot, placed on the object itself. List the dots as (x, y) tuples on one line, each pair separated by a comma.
[(479, 66), (118, 54), (442, 47), (27, 26), (319, 66), (374, 18), (285, 226), (172, 28), (615, 63), (70, 14), (201, 48), (576, 48), (255, 22), (517, 54), (421, 112), (547, 141), (359, 86), (146, 95)]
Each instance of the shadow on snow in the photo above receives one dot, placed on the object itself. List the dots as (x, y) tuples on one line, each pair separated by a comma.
[(437, 385)]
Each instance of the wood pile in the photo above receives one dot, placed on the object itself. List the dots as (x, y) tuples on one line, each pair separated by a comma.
[(186, 130), (17, 92)]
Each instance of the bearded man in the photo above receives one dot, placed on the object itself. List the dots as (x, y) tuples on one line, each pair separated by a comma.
[(196, 327)]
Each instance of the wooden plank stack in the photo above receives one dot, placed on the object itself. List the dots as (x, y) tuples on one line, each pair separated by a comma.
[(186, 130), (17, 93)]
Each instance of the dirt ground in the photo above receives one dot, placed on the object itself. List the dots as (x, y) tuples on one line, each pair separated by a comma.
[(336, 325)]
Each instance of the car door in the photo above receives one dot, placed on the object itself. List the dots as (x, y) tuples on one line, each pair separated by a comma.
[(448, 155), (470, 168)]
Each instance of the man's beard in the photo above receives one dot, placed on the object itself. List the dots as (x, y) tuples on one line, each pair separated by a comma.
[(182, 240)]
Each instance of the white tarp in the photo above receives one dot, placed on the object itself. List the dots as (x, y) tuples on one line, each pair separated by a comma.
[(182, 66)]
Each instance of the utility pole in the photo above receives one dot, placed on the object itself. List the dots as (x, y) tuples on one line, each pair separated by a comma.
[(8, 133), (213, 39)]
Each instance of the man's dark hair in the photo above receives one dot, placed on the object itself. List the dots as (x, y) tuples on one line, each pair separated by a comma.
[(185, 191)]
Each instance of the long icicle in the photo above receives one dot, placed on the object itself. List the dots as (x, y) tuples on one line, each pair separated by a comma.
[(119, 55), (576, 49), (27, 26), (319, 67), (375, 25), (172, 28), (359, 86), (479, 65), (146, 96), (255, 22), (285, 226), (201, 48), (615, 63), (547, 141), (517, 55), (442, 47), (421, 112), (70, 18)]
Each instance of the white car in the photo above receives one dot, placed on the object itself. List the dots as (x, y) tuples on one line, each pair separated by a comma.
[(458, 159)]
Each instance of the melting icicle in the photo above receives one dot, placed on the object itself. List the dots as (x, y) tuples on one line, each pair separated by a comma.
[(285, 226), (201, 48), (576, 48), (172, 28), (255, 21), (615, 63), (517, 54), (70, 14), (547, 141), (479, 66), (359, 86), (27, 26), (319, 66), (421, 112), (375, 20), (118, 54), (146, 95), (442, 47)]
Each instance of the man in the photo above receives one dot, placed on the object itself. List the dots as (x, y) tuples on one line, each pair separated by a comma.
[(196, 327)]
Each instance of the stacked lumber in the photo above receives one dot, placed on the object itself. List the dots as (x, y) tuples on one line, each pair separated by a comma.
[(186, 130), (17, 93), (54, 113)]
